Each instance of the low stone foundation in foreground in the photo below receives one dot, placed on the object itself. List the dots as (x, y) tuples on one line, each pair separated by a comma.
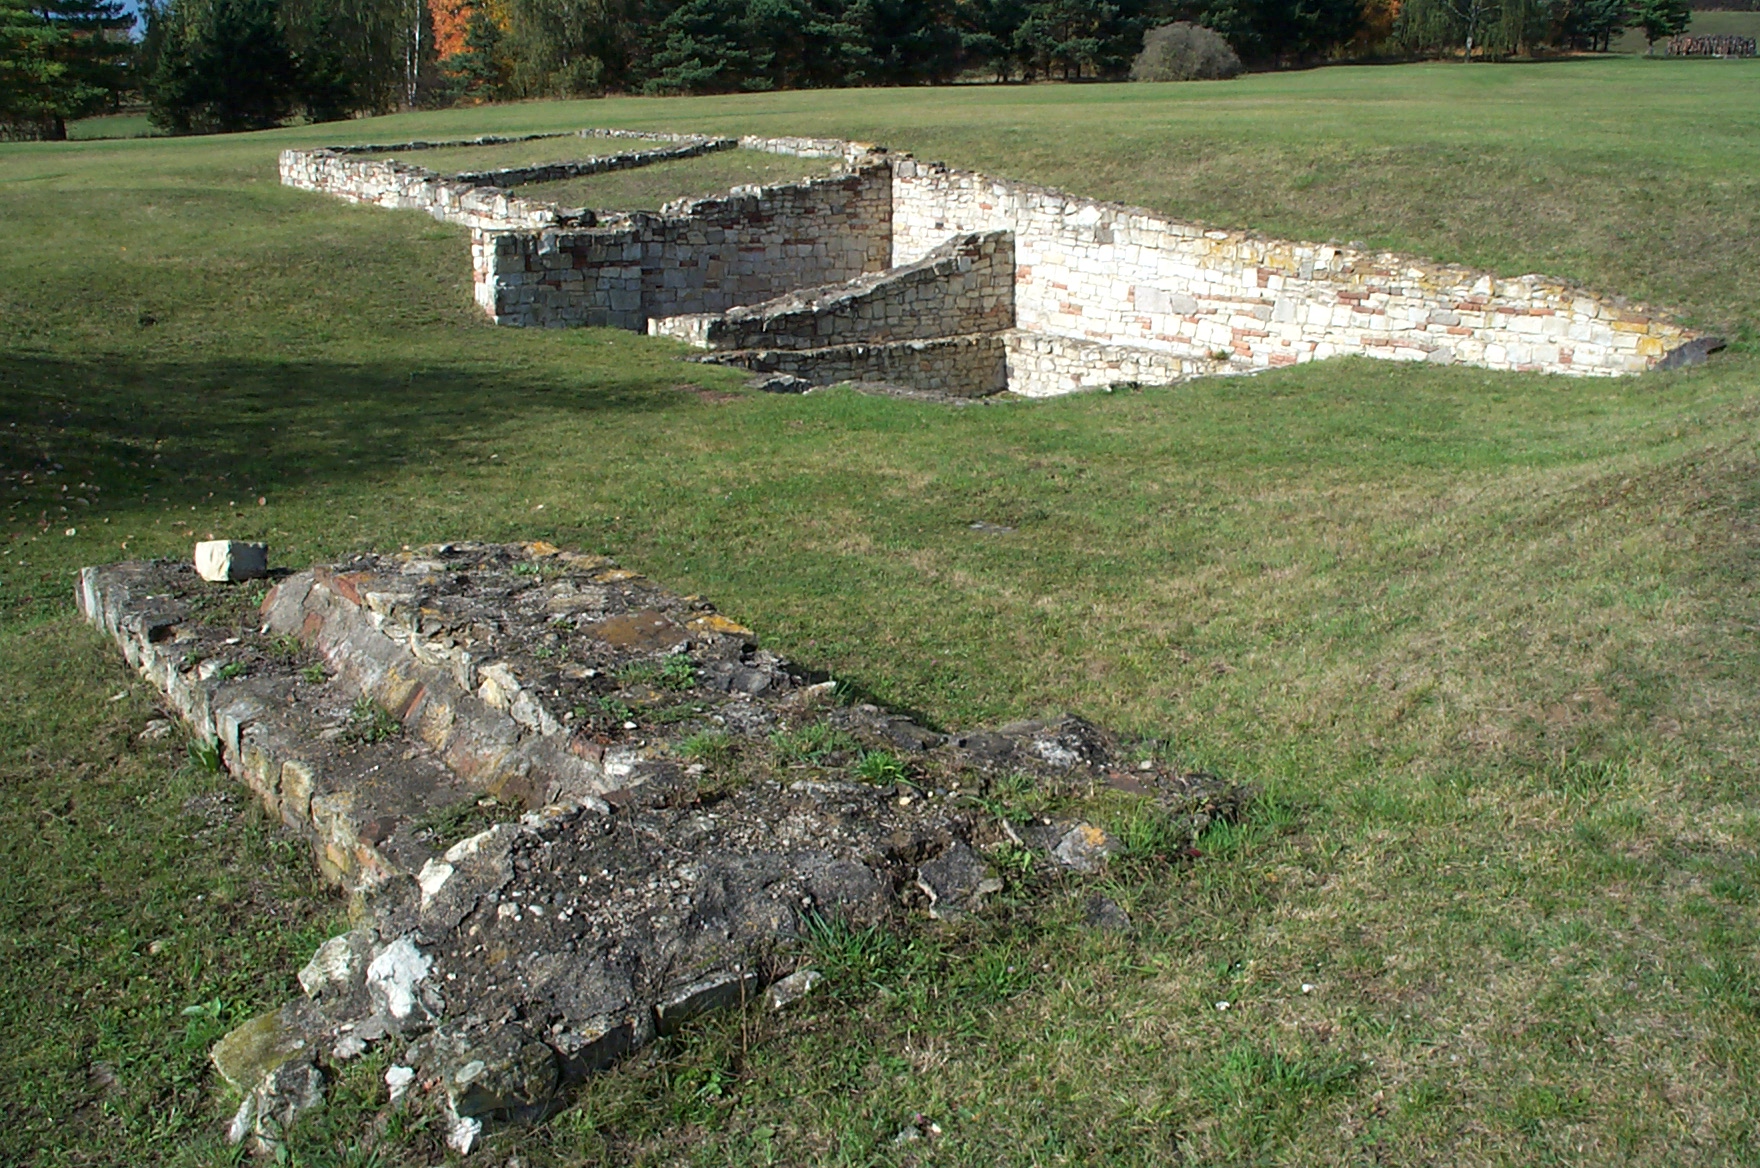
[(577, 810)]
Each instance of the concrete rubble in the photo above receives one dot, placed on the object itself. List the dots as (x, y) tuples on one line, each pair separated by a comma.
[(576, 810)]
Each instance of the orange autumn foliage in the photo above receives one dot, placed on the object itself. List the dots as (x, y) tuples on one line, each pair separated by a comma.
[(452, 22), (452, 19)]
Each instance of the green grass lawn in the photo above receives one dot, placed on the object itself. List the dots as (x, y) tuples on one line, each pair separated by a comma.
[(641, 189), (646, 188), (1486, 643), (133, 125)]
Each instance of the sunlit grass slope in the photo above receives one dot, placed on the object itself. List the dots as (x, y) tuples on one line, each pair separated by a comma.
[(1486, 643)]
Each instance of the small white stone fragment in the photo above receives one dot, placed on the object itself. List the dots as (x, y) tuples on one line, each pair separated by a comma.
[(433, 877), (466, 848), (794, 987), (394, 974), (463, 1136), (230, 560), (398, 1079), (242, 1119), (333, 966)]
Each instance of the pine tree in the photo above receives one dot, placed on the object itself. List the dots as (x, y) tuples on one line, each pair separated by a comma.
[(481, 70), (910, 41), (60, 60), (30, 74), (326, 89), (725, 46), (704, 47), (987, 34), (223, 69), (1592, 24), (1078, 38), (1662, 19)]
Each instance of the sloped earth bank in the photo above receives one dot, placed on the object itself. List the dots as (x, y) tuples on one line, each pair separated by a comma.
[(576, 810)]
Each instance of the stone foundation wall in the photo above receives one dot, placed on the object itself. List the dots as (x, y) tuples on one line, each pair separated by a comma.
[(964, 286), (707, 255), (1045, 365), (1101, 293), (1122, 276), (851, 152), (969, 366), (475, 199), (516, 176)]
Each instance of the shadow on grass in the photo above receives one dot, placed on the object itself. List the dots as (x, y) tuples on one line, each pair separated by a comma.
[(174, 429)]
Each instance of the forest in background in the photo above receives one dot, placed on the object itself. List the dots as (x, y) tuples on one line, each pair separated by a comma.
[(225, 65)]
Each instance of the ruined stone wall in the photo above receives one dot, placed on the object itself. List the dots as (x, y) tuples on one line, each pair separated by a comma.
[(1122, 276), (964, 286), (516, 176), (850, 152), (477, 199), (964, 366), (1101, 293), (706, 255), (1045, 365), (400, 186)]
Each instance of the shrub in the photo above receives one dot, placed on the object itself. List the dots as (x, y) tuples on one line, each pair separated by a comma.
[(1184, 52)]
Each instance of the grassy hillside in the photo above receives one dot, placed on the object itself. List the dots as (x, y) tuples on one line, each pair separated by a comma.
[(1485, 642)]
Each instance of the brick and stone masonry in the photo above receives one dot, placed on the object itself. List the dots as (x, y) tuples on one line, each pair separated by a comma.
[(706, 255), (1122, 276), (491, 748), (964, 286), (1101, 293), (478, 198)]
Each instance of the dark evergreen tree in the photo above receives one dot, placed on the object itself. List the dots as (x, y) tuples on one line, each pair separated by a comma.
[(1661, 19), (1282, 32), (909, 41), (1076, 39), (327, 90), (1591, 24), (224, 68), (350, 52), (987, 34), (725, 46), (31, 76), (483, 69), (60, 60), (704, 46)]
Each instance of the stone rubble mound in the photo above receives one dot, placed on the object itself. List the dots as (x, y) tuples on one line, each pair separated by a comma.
[(576, 810)]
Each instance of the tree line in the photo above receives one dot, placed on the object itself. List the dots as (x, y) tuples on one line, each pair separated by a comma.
[(218, 65)]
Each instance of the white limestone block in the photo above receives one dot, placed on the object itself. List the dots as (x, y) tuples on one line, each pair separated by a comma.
[(231, 560)]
